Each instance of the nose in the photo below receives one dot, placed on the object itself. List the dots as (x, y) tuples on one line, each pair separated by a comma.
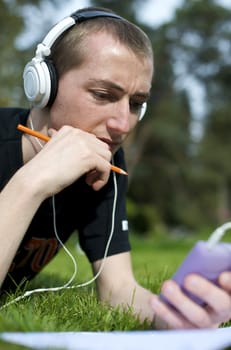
[(120, 119)]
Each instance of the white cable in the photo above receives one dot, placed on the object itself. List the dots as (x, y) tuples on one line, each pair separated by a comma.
[(52, 289), (32, 127), (217, 235), (108, 242)]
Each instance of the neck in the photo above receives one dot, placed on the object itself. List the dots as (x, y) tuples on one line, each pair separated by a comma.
[(37, 120)]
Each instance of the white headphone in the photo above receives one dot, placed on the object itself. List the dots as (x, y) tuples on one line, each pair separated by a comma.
[(40, 77)]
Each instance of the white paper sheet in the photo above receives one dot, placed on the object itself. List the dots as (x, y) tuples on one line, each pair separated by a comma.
[(216, 339)]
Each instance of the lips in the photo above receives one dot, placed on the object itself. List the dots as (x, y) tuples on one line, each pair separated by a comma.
[(113, 145)]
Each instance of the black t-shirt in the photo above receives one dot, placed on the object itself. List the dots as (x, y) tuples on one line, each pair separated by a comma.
[(78, 207)]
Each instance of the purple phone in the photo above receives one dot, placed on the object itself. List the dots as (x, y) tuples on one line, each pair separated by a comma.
[(205, 261)]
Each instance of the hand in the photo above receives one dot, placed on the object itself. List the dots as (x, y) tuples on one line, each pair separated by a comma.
[(69, 154), (188, 314)]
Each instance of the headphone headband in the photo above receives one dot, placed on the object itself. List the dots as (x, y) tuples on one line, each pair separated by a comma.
[(74, 18), (57, 30), (85, 15)]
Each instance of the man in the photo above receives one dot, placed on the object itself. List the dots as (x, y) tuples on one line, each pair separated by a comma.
[(87, 84)]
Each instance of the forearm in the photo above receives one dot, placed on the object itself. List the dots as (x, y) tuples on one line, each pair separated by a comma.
[(19, 201), (116, 285)]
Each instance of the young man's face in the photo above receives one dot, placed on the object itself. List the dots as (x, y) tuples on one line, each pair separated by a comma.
[(104, 95)]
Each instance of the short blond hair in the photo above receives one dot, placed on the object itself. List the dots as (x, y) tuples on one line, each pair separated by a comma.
[(69, 50)]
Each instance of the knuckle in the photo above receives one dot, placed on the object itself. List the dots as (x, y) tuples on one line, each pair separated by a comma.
[(226, 305), (202, 320)]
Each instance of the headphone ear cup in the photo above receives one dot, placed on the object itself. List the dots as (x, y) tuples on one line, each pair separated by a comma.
[(37, 82), (143, 110), (53, 83)]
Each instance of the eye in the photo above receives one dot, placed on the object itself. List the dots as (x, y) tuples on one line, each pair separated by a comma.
[(103, 96), (136, 107), (100, 94)]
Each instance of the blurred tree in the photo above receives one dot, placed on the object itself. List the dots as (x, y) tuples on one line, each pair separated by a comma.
[(14, 55), (200, 35), (10, 59), (162, 140)]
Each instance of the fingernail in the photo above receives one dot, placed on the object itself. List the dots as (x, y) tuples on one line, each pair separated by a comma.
[(168, 289), (225, 277), (192, 282)]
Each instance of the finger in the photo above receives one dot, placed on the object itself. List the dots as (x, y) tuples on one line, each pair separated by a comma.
[(166, 317), (225, 281), (74, 133), (97, 179), (217, 299), (191, 311), (51, 132)]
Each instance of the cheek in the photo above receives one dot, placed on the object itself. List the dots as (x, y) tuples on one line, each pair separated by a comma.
[(73, 113), (74, 107), (133, 123), (65, 110)]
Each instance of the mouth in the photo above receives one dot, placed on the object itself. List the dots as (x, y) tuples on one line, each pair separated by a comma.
[(113, 145)]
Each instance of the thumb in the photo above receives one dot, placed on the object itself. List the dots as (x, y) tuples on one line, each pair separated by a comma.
[(51, 132)]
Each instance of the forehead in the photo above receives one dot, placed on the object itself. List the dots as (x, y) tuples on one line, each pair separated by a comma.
[(102, 39), (103, 54)]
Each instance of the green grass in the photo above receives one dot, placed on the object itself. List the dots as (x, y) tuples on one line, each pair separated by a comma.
[(10, 346), (78, 309)]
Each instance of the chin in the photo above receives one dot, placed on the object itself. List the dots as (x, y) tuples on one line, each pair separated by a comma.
[(115, 149)]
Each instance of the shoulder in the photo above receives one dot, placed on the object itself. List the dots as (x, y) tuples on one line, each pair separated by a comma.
[(9, 119), (8, 112)]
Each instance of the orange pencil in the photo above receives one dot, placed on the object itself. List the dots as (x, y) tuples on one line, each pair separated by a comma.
[(33, 133), (47, 138)]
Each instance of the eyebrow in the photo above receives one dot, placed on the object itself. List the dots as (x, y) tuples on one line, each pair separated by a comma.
[(111, 85)]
